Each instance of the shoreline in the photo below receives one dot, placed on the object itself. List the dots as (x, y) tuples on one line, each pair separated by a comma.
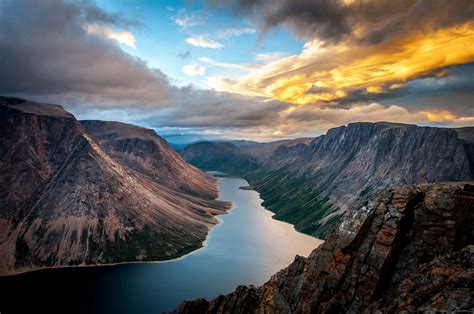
[(203, 246)]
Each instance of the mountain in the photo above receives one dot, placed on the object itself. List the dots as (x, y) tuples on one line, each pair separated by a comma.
[(410, 249), (66, 200), (219, 156), (311, 185), (466, 133), (240, 143), (144, 151), (263, 151), (236, 157)]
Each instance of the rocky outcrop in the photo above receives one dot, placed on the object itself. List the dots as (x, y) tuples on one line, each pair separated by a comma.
[(64, 200), (409, 249)]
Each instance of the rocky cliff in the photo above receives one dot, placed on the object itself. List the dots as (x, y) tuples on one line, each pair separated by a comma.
[(311, 185), (64, 200), (409, 249)]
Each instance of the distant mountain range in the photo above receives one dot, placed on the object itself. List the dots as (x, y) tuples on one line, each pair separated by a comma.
[(310, 183), (233, 157), (94, 192)]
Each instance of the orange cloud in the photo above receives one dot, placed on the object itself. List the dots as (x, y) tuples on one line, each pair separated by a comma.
[(335, 71), (439, 116)]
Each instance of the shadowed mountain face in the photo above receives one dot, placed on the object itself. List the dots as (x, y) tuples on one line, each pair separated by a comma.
[(219, 156), (65, 200), (234, 157), (409, 249)]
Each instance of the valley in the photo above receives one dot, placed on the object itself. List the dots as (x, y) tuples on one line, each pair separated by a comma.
[(117, 198), (236, 156), (311, 184), (237, 251)]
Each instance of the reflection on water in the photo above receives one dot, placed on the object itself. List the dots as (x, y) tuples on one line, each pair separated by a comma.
[(247, 247)]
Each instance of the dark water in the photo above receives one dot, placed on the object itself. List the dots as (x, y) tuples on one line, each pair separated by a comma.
[(247, 247)]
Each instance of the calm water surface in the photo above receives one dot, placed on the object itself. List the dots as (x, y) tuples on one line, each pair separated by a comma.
[(247, 247)]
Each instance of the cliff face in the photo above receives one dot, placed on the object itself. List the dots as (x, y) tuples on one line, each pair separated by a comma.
[(66, 201), (352, 162), (409, 249)]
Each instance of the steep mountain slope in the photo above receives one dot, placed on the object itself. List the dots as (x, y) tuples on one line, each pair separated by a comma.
[(219, 156), (311, 185), (410, 249), (65, 201), (143, 150), (467, 136)]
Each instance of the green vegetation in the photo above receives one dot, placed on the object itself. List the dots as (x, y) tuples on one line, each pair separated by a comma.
[(293, 199), (148, 245)]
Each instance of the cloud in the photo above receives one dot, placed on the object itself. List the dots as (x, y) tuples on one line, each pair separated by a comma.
[(261, 60), (341, 70), (194, 70), (124, 38), (185, 20), (271, 56), (235, 32), (360, 21), (45, 49), (305, 118), (200, 41), (236, 66), (94, 78)]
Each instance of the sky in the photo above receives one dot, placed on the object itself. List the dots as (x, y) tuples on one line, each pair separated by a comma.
[(239, 69)]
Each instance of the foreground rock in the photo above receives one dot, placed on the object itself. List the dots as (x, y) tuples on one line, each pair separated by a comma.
[(65, 200), (410, 249)]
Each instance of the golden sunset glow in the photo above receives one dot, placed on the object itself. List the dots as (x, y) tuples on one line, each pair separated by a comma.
[(331, 73), (439, 116)]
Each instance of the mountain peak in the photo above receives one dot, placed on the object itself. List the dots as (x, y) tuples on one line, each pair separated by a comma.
[(31, 107)]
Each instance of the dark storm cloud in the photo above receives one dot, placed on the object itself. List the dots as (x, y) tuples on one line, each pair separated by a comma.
[(45, 49), (362, 21)]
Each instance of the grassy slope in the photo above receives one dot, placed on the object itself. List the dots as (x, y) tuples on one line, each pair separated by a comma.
[(293, 200)]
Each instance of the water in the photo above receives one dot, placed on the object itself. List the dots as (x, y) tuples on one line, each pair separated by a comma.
[(247, 247)]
